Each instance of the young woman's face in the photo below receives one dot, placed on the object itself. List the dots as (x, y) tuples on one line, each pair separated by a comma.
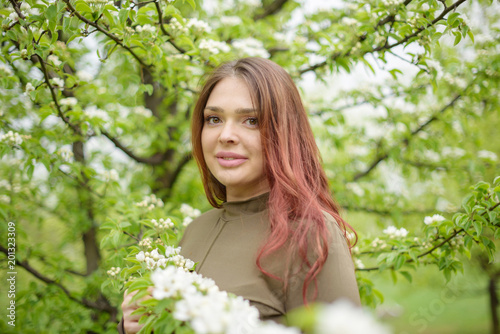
[(231, 140)]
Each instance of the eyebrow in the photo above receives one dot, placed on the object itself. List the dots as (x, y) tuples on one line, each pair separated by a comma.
[(237, 111)]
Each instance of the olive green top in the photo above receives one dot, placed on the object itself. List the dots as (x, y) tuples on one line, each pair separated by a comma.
[(225, 243)]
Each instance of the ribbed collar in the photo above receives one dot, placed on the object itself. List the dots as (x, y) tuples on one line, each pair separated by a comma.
[(234, 210)]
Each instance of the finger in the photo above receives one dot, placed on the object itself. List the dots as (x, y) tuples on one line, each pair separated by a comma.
[(132, 327)]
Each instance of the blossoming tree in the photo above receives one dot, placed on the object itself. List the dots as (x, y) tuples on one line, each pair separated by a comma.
[(95, 163)]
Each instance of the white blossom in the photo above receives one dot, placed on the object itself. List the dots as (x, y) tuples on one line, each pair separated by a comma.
[(177, 26), (487, 155), (65, 153), (187, 221), (230, 20), (251, 47), (392, 231), (359, 264), (114, 271), (84, 76), (434, 219), (453, 152), (54, 60), (11, 138), (162, 224), (58, 83), (29, 88), (69, 101), (141, 110), (199, 25), (213, 46), (6, 70), (111, 175), (94, 112), (355, 188), (349, 21), (150, 202), (13, 17), (5, 199), (342, 317), (140, 256), (148, 28), (424, 7), (189, 211)]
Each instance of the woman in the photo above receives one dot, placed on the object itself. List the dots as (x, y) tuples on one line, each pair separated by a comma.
[(276, 237)]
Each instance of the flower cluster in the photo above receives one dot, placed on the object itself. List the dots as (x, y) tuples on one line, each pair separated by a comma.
[(69, 101), (178, 27), (178, 56), (11, 138), (487, 155), (377, 242), (150, 202), (198, 25), (147, 28), (147, 243), (113, 272), (162, 224), (94, 112), (251, 47), (434, 219), (343, 317), (54, 60), (389, 3), (359, 264), (348, 21), (207, 309), (189, 212), (230, 20), (213, 46), (156, 260), (141, 110), (29, 88), (58, 83), (84, 76), (65, 153), (392, 231), (111, 175), (5, 70)]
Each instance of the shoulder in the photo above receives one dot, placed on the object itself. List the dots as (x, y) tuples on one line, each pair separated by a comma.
[(337, 232)]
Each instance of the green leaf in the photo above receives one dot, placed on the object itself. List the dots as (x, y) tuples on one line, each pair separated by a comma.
[(452, 18), (51, 12), (458, 38), (478, 227), (400, 260), (407, 275), (192, 3)]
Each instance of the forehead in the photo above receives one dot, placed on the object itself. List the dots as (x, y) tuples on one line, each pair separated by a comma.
[(230, 92)]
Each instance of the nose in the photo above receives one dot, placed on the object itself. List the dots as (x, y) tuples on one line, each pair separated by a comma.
[(228, 134)]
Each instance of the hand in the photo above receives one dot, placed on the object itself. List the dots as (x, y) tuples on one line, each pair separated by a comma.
[(131, 322)]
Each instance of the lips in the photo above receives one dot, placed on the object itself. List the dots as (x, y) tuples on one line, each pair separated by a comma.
[(230, 159)]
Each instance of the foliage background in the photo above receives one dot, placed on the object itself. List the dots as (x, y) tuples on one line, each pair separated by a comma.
[(402, 96)]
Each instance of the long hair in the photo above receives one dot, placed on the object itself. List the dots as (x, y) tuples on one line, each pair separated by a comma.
[(299, 190)]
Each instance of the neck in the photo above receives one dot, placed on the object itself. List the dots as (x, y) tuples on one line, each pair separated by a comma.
[(236, 195)]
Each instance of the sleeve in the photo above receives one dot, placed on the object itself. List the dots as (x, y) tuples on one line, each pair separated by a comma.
[(336, 280)]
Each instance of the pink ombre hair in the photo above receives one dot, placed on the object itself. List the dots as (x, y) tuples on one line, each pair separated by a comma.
[(299, 193)]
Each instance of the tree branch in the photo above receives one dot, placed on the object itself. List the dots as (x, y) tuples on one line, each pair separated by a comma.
[(156, 159), (160, 19), (106, 307), (405, 142), (105, 32), (273, 8)]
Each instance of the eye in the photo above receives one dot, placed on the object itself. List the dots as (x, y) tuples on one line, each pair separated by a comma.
[(212, 120), (252, 121)]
